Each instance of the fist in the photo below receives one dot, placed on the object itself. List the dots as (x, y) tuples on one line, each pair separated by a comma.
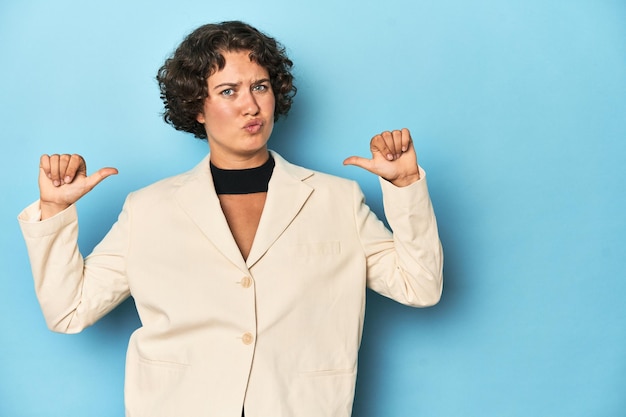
[(63, 180), (393, 158)]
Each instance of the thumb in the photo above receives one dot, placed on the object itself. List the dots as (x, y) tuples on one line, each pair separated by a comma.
[(97, 177), (359, 162)]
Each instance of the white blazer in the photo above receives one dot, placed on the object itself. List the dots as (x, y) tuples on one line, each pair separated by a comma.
[(277, 333)]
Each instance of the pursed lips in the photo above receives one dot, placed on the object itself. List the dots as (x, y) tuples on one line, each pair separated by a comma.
[(253, 126)]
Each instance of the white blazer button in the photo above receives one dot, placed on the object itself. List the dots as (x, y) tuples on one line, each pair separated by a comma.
[(246, 282), (247, 338)]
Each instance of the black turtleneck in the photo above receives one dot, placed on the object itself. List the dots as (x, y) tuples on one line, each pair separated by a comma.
[(242, 181)]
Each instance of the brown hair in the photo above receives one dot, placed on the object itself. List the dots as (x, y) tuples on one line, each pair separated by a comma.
[(183, 77)]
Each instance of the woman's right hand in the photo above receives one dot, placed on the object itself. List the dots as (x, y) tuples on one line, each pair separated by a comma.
[(63, 181)]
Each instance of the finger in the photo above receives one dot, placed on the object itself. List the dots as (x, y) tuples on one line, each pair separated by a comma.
[(392, 144), (378, 144), (405, 139), (396, 136), (54, 170), (389, 139), (76, 165), (64, 161), (44, 164)]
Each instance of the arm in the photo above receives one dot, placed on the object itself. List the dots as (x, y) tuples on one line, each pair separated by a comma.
[(409, 268), (71, 297)]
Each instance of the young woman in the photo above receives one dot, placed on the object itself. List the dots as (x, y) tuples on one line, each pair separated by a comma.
[(248, 272)]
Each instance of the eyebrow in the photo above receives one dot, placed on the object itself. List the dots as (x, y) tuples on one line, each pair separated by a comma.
[(228, 84)]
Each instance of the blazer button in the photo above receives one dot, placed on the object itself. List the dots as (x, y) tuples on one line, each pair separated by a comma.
[(247, 338), (246, 282)]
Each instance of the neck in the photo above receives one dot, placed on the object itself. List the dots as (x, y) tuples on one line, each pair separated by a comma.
[(240, 161), (242, 181)]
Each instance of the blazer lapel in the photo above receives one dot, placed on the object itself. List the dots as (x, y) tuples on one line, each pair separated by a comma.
[(198, 199), (286, 195)]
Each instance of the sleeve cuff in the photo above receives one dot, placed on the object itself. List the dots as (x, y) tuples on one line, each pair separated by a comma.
[(405, 196), (32, 225)]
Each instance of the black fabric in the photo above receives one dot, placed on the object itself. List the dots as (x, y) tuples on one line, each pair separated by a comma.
[(242, 181)]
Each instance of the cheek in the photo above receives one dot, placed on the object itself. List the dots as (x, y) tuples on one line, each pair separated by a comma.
[(219, 113), (271, 103)]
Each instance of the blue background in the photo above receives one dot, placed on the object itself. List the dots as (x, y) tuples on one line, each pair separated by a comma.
[(518, 111)]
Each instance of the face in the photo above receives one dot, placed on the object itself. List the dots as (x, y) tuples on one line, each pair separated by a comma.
[(238, 113)]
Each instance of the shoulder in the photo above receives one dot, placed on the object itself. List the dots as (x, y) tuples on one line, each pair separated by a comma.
[(326, 188), (333, 185), (311, 177), (166, 189)]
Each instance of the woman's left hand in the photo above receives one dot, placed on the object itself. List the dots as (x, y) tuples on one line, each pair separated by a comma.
[(393, 158)]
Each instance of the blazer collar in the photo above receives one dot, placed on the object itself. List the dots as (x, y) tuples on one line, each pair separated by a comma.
[(287, 193)]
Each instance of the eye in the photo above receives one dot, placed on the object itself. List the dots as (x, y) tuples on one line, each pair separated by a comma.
[(260, 87), (228, 92)]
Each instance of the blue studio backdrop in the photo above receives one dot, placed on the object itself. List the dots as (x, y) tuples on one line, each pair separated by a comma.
[(518, 112)]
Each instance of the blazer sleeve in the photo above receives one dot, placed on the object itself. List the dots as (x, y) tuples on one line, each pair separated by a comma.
[(408, 266), (71, 295)]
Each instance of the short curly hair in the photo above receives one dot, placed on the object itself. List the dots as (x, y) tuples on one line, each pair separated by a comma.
[(183, 77)]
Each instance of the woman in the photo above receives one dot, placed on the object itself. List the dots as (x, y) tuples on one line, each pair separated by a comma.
[(248, 272)]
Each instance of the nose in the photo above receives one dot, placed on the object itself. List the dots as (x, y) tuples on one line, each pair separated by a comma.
[(250, 106)]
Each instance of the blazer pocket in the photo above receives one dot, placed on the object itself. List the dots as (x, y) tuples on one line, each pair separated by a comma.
[(162, 364), (159, 377), (155, 388), (324, 393)]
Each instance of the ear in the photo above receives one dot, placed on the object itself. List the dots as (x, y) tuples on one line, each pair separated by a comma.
[(200, 118)]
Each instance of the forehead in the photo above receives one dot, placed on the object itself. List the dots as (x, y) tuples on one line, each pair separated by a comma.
[(238, 67)]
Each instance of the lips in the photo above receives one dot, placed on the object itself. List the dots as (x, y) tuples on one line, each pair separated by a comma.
[(253, 126)]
